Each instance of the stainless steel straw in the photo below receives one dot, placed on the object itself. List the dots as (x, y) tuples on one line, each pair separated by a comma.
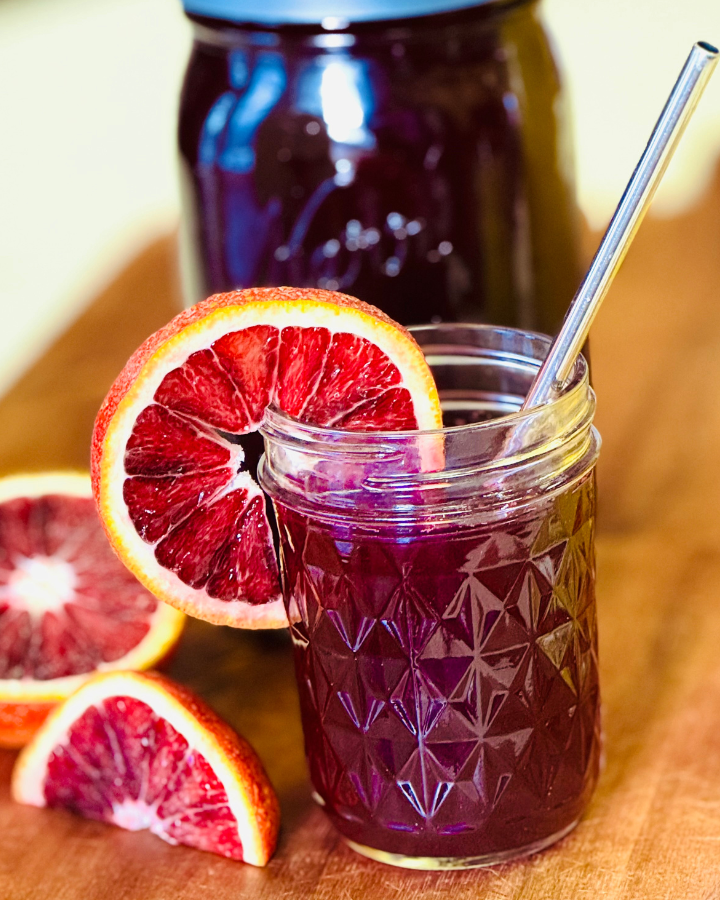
[(634, 204)]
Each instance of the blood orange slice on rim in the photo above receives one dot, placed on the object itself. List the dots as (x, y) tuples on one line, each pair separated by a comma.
[(68, 607), (175, 447), (141, 752)]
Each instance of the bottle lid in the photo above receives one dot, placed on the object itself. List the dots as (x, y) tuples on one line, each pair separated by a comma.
[(331, 14)]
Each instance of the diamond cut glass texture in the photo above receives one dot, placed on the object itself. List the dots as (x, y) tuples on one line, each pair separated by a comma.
[(448, 680)]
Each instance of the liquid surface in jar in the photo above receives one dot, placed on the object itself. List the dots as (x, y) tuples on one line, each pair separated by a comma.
[(448, 681)]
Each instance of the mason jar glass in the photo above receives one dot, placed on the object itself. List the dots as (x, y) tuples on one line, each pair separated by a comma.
[(440, 588), (413, 153)]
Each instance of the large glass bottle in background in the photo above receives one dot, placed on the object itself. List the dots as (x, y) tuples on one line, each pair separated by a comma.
[(420, 163)]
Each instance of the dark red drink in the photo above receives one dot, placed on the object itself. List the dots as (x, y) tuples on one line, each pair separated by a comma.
[(448, 680), (413, 155), (440, 588)]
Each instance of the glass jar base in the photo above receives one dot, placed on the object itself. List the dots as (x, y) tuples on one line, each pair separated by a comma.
[(430, 863)]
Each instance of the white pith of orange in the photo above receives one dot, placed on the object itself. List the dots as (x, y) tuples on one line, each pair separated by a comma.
[(138, 555), (165, 624), (30, 772)]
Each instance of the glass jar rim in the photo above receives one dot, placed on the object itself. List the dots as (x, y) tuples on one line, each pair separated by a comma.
[(277, 421), (478, 469)]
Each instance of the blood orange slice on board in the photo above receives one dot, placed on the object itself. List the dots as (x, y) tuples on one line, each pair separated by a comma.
[(68, 607), (142, 752), (175, 446)]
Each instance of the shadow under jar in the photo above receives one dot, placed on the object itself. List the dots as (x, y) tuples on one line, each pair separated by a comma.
[(440, 588), (421, 163)]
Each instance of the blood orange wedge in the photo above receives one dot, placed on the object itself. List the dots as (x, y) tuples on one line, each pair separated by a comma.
[(175, 447), (142, 752), (68, 607)]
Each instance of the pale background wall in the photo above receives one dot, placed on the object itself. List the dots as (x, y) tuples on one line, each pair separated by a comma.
[(87, 121)]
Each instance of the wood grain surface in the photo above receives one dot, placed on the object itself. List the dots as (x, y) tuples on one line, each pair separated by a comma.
[(653, 827)]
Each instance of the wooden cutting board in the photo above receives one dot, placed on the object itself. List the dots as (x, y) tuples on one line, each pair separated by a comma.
[(653, 828)]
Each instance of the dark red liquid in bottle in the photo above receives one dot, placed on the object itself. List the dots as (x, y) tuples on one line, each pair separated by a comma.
[(448, 679), (416, 164)]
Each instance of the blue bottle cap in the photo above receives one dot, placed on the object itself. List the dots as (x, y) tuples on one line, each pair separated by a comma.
[(332, 14)]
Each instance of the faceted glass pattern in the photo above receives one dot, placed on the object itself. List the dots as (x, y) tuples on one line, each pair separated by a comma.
[(448, 678)]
